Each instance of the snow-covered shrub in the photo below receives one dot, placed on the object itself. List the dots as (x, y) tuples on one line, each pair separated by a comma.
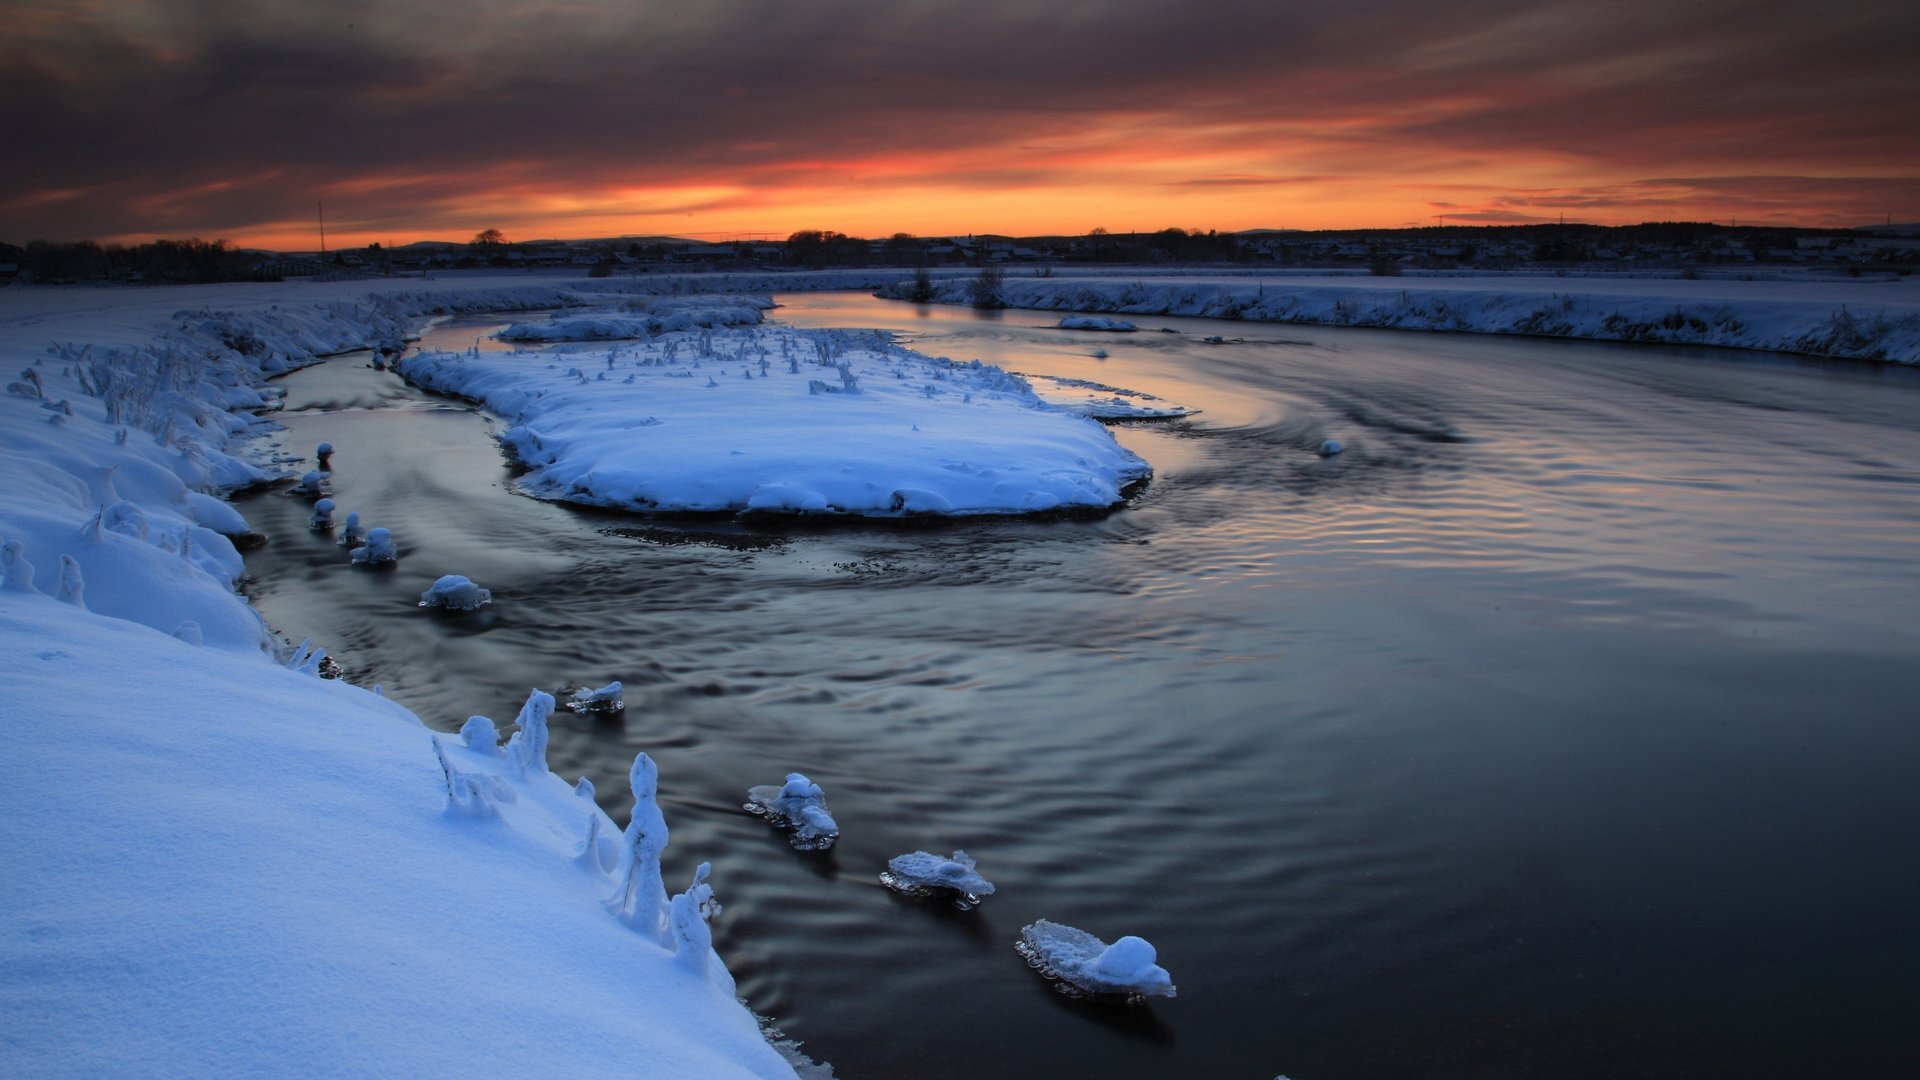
[(528, 747), (479, 734), (16, 573), (641, 893), (73, 589), (456, 593)]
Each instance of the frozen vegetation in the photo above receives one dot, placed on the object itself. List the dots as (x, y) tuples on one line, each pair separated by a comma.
[(1084, 397), (1860, 320), (643, 318), (921, 874), (785, 421), (799, 806), (455, 593), (1084, 965)]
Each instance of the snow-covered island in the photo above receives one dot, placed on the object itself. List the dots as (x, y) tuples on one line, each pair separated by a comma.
[(775, 420)]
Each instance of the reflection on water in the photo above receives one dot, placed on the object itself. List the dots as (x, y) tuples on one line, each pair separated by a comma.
[(1561, 726)]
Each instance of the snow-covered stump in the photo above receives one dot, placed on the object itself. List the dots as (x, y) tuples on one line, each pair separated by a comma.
[(923, 875), (455, 593), (351, 534), (798, 805), (324, 455), (1083, 966), (607, 699), (688, 917), (641, 895), (527, 750), (321, 520), (379, 550)]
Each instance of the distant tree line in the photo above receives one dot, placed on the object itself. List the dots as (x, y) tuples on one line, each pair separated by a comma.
[(192, 260)]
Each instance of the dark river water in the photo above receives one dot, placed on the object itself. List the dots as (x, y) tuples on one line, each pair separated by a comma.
[(1566, 725)]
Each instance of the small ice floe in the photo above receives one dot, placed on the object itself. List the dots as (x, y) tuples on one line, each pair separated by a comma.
[(1096, 322), (455, 593), (379, 550), (604, 700), (353, 535), (1098, 354), (322, 518), (312, 485), (1330, 448), (923, 875), (799, 805), (1083, 966)]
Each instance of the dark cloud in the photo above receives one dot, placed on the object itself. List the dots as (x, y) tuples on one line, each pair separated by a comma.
[(215, 117)]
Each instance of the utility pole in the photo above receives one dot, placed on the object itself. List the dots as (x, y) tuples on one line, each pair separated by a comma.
[(321, 209)]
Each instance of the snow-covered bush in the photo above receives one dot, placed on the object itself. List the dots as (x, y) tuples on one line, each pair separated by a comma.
[(16, 573), (456, 593), (641, 893), (527, 750)]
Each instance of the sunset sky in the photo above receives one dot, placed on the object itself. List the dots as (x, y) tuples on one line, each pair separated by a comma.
[(716, 119)]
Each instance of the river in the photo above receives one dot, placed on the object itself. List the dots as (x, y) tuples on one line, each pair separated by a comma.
[(1562, 726)]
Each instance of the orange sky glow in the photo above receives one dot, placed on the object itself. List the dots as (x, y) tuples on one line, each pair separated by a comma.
[(725, 121)]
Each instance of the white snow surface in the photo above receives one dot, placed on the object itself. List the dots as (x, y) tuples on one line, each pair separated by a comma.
[(644, 317), (779, 420), (216, 867), (217, 864), (1866, 319)]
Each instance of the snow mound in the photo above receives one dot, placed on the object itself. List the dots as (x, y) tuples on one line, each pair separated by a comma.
[(455, 593), (921, 875), (1085, 965), (797, 805)]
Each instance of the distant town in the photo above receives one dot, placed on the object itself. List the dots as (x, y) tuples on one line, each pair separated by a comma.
[(1679, 247)]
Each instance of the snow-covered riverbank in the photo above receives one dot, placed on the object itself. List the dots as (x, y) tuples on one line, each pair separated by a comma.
[(216, 865), (1867, 320)]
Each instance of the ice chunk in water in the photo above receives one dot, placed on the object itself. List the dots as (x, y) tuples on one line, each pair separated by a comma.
[(799, 805), (1086, 965), (922, 874), (379, 550), (604, 700), (456, 593)]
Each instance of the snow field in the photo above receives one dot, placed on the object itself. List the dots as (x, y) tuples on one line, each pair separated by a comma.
[(215, 866)]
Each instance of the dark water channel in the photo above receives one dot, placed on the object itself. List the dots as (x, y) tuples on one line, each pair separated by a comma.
[(1563, 726)]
